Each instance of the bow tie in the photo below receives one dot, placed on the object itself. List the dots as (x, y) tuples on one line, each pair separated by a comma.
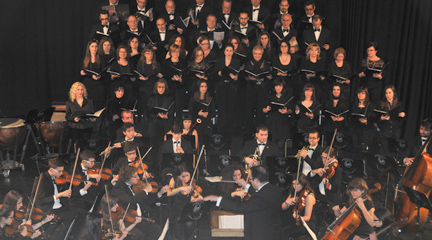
[(226, 14), (256, 9), (285, 30), (424, 138), (311, 149), (104, 26), (261, 144), (170, 14), (244, 28), (316, 30), (176, 142), (199, 6), (161, 32)]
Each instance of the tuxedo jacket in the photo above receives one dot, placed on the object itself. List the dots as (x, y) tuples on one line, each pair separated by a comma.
[(270, 150), (45, 197), (278, 31), (133, 9), (126, 34), (314, 161), (162, 46), (88, 199), (113, 32), (177, 22), (167, 146), (415, 145), (121, 162), (251, 32), (261, 213), (125, 196), (232, 20), (324, 38), (262, 15), (332, 196), (202, 15)]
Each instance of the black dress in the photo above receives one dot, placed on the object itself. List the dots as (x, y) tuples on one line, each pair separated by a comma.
[(292, 230), (125, 80), (374, 85), (193, 79), (144, 88), (362, 133), (182, 231), (389, 129), (344, 71), (279, 124), (292, 80), (304, 123), (364, 229), (318, 66), (95, 88), (178, 89), (206, 126), (328, 124), (157, 126), (83, 128)]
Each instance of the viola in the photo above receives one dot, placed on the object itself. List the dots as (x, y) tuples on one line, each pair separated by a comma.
[(300, 204), (141, 185), (197, 190)]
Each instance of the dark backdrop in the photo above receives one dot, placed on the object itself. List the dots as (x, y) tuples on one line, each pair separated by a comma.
[(42, 42)]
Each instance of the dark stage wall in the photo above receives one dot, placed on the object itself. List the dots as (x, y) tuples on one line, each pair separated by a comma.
[(42, 42)]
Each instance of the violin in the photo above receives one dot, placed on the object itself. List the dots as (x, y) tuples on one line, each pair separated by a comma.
[(129, 216), (197, 190), (330, 170), (106, 173), (300, 204), (141, 168), (141, 185), (15, 227), (67, 178), (37, 214)]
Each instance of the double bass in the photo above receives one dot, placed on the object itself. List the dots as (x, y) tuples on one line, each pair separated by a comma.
[(417, 179)]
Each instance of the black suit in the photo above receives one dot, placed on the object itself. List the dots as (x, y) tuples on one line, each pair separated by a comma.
[(332, 196), (232, 20), (251, 33), (261, 213), (278, 31), (314, 161), (263, 15), (127, 34), (113, 32), (85, 201), (414, 146), (324, 38), (177, 22), (202, 15), (144, 230), (162, 46), (270, 150), (168, 147)]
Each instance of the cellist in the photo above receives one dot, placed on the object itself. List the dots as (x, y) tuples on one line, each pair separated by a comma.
[(302, 197), (327, 188), (364, 206), (415, 144)]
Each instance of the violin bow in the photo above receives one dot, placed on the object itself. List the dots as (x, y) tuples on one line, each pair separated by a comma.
[(109, 208), (331, 146), (127, 209), (35, 195), (73, 173), (142, 165), (103, 162), (35, 183), (197, 164)]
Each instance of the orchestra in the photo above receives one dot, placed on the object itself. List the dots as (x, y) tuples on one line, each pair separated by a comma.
[(248, 88)]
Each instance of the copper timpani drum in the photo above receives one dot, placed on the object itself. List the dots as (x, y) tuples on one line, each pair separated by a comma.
[(12, 133), (55, 131)]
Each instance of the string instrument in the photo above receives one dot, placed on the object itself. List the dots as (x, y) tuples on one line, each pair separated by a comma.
[(300, 204), (198, 121), (383, 230), (197, 190), (330, 170), (129, 215), (138, 163), (67, 178), (141, 185), (106, 173), (36, 215), (15, 228), (348, 222), (418, 179)]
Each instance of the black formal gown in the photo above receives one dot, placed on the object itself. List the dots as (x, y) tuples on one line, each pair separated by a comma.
[(304, 123), (145, 88), (374, 85), (279, 124), (95, 88), (362, 133), (329, 125), (293, 80), (318, 66), (178, 89), (344, 71), (125, 80), (206, 125)]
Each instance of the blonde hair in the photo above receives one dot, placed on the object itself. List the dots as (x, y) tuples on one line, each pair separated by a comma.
[(312, 45), (73, 88)]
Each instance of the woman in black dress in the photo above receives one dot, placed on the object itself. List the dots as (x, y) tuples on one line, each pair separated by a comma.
[(210, 55), (305, 194), (335, 113), (106, 50), (182, 193), (197, 63), (122, 71), (269, 50), (134, 50), (390, 117), (307, 110), (239, 52), (361, 126), (91, 68), (160, 122), (283, 65), (76, 109), (179, 41), (278, 109), (150, 71), (176, 81), (340, 70), (312, 69), (227, 83), (372, 79), (114, 108), (202, 106)]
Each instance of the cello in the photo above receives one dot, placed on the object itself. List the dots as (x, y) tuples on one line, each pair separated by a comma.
[(418, 179), (348, 222)]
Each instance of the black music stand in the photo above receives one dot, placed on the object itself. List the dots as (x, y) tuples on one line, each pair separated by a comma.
[(300, 140), (95, 145), (217, 142), (172, 160), (281, 170), (189, 138), (216, 163), (192, 211)]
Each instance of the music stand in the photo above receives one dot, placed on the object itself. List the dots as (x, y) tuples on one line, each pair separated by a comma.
[(192, 211), (172, 160), (300, 140), (281, 170), (341, 141), (95, 145), (216, 163), (217, 142)]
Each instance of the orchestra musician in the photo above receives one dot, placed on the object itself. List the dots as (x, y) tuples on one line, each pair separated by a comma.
[(418, 141), (176, 144), (128, 177), (182, 192), (186, 129), (127, 116), (261, 211), (364, 206), (302, 197), (130, 156), (326, 188), (6, 220), (311, 155), (233, 172), (262, 144)]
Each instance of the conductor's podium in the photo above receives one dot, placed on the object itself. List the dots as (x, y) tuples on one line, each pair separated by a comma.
[(226, 224)]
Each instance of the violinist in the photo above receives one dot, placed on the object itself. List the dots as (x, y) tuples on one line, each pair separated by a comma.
[(128, 135), (364, 206), (186, 128), (417, 142), (14, 200), (52, 198), (233, 172), (386, 227), (128, 177), (326, 187), (302, 197), (7, 221), (261, 211), (182, 192), (127, 116), (130, 156), (311, 155)]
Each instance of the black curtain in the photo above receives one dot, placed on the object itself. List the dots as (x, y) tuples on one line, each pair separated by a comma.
[(42, 43)]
